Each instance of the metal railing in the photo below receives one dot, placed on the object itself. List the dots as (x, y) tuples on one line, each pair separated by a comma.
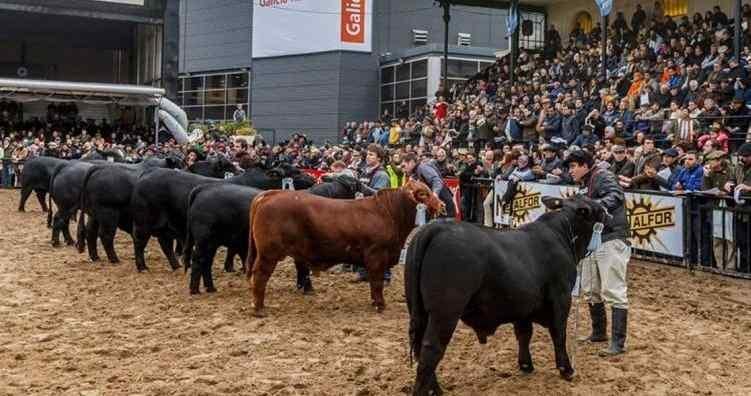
[(720, 234), (473, 194), (716, 230)]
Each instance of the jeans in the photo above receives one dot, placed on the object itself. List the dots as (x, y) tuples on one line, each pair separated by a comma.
[(6, 176)]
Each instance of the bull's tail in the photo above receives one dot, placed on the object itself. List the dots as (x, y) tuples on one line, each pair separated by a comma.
[(81, 230), (250, 258), (418, 316), (49, 194), (188, 245)]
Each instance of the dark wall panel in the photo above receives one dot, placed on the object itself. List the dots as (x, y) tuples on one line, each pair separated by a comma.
[(215, 35), (315, 93), (358, 88), (297, 93), (397, 18)]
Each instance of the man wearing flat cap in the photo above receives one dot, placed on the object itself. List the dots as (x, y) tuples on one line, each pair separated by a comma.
[(603, 277), (718, 171)]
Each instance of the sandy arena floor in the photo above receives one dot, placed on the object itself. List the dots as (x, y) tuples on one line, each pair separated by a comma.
[(70, 327)]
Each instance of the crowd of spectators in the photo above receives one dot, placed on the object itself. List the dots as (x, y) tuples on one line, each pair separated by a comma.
[(675, 98), (674, 91), (670, 113)]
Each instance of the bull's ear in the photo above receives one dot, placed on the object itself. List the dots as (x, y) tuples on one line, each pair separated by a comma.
[(552, 203)]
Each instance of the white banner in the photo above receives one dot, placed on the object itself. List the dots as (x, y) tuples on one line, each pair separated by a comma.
[(293, 27), (656, 221), (527, 204)]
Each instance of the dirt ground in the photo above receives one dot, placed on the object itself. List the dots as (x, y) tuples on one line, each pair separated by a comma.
[(70, 327)]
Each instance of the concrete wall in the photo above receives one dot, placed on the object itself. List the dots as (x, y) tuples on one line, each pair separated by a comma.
[(215, 35), (395, 20), (564, 17), (318, 93), (358, 88), (315, 93)]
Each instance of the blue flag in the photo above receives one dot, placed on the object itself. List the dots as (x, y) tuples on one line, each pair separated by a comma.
[(512, 21), (605, 6)]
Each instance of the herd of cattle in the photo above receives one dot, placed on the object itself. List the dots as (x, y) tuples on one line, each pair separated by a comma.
[(453, 271)]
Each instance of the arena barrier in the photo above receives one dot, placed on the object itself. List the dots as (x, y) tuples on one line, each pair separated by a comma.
[(656, 219), (694, 230), (720, 234), (473, 194)]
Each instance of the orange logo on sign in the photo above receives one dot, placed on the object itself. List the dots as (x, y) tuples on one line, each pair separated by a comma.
[(353, 21)]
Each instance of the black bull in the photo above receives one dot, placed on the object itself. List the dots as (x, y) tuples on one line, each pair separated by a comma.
[(160, 203), (218, 216), (36, 177), (487, 278), (105, 196), (65, 191)]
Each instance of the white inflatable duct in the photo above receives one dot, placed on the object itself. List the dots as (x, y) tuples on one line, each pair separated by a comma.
[(174, 127), (177, 113)]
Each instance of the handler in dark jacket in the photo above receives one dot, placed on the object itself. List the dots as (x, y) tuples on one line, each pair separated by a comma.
[(604, 271)]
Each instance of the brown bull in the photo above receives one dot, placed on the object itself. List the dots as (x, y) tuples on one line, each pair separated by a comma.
[(322, 232)]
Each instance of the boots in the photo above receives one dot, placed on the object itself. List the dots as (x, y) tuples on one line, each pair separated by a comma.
[(618, 338), (599, 323)]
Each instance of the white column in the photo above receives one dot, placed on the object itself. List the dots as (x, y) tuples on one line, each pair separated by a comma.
[(434, 76)]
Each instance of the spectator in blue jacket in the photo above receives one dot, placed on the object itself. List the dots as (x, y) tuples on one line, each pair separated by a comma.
[(375, 133), (691, 177)]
